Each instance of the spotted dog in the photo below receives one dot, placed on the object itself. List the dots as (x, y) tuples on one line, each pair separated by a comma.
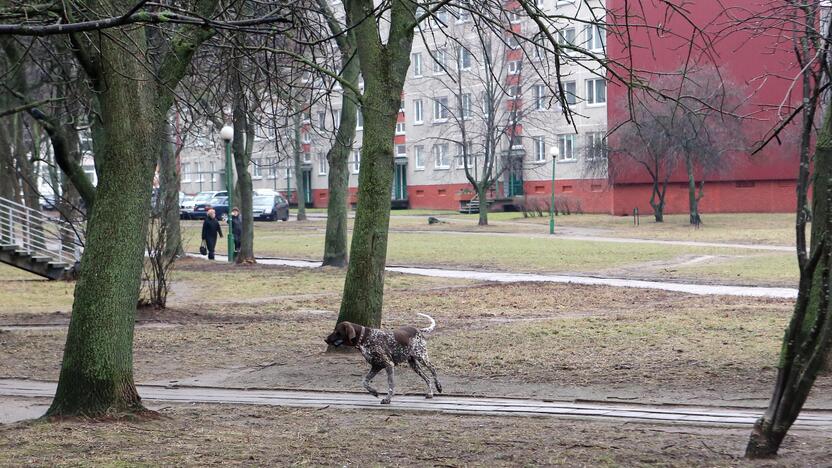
[(387, 349)]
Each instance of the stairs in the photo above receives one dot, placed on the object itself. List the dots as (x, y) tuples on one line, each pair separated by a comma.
[(473, 206), (34, 242)]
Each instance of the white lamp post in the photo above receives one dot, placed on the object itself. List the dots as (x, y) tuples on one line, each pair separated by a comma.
[(554, 152), (227, 134)]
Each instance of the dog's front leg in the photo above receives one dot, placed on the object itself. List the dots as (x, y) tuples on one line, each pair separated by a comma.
[(369, 377), (390, 384)]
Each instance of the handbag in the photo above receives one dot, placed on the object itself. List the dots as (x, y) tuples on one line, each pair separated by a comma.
[(203, 250)]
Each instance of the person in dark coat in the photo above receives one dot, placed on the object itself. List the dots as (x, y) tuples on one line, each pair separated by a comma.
[(210, 229), (236, 228)]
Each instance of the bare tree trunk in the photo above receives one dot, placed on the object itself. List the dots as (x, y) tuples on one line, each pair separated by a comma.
[(806, 344), (242, 157), (169, 180), (296, 157), (693, 200), (481, 190)]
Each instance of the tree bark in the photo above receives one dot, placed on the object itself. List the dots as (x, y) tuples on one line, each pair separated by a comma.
[(384, 71), (242, 147), (483, 221), (335, 240), (806, 344), (97, 370), (297, 146), (693, 201), (169, 180)]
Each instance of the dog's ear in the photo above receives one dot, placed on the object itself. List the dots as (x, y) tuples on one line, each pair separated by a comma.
[(350, 333)]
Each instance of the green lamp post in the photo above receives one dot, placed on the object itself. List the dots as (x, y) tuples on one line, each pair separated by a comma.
[(227, 134), (554, 152)]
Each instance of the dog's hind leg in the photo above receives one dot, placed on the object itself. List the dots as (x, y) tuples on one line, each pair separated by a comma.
[(370, 375), (391, 384), (421, 373), (423, 360)]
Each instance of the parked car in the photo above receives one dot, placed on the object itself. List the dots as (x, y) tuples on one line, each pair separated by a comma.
[(220, 206), (270, 207), (202, 202), (186, 206), (47, 202)]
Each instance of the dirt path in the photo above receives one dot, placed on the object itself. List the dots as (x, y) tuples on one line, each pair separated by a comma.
[(820, 420)]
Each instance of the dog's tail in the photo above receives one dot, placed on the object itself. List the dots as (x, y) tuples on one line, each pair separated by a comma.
[(432, 324)]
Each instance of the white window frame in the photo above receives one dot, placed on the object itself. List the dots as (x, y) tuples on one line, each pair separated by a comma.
[(563, 39), (466, 106), (416, 59), (539, 95), (401, 151), (256, 170), (592, 86), (573, 95), (400, 128), (418, 112), (419, 157), (186, 172), (307, 137), (539, 149), (322, 120), (323, 164), (440, 61), (463, 15), (439, 152), (514, 91), (355, 161), (440, 110), (566, 141), (596, 37), (514, 67), (463, 53), (590, 139), (359, 119)]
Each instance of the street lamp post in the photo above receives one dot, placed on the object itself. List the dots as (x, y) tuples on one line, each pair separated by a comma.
[(554, 152), (227, 134)]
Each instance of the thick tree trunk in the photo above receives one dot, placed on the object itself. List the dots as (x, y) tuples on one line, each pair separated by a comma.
[(806, 344), (169, 180), (693, 201), (335, 241), (483, 205), (97, 371), (296, 157)]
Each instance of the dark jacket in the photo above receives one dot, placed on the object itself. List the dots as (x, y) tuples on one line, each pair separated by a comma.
[(237, 226), (210, 229)]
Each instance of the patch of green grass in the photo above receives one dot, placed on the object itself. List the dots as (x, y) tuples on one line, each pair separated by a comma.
[(22, 292)]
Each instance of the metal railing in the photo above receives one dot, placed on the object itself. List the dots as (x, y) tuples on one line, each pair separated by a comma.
[(38, 235)]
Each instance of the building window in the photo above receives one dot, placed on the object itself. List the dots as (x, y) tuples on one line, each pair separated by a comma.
[(323, 164), (596, 37), (512, 42), (441, 16), (307, 157), (514, 16), (539, 91), (416, 61), (213, 171), (256, 171), (186, 172), (418, 117), (463, 15), (466, 106), (355, 161), (439, 62), (566, 147), (514, 92), (322, 120), (440, 156), (336, 117), (596, 91), (273, 168), (570, 89), (566, 38), (401, 151), (539, 149), (594, 145), (359, 119), (307, 137), (419, 157), (464, 59), (514, 67), (400, 128), (440, 109)]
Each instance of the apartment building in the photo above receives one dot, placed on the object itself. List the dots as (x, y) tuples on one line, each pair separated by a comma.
[(498, 90)]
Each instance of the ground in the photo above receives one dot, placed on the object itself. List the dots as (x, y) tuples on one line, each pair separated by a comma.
[(263, 326)]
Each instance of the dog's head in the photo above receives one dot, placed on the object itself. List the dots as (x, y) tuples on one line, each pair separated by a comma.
[(345, 333)]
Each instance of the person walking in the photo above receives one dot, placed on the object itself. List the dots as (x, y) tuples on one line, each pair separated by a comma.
[(210, 229), (236, 228)]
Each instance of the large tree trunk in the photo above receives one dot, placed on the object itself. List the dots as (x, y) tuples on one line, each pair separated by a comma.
[(97, 371), (481, 190), (169, 180), (693, 200), (806, 344)]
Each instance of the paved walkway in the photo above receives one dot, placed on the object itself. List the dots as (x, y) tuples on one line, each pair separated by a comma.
[(821, 420), (504, 277)]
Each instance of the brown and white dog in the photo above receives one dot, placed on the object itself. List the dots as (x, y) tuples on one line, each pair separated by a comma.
[(387, 349)]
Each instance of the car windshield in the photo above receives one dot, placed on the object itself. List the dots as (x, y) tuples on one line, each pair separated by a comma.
[(260, 201), (219, 201), (203, 197)]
